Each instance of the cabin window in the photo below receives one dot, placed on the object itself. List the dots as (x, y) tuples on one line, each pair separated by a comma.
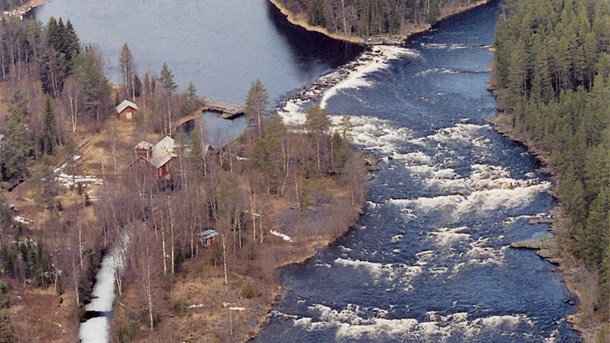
[(128, 115)]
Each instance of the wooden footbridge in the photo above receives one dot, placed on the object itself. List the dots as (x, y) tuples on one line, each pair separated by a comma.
[(227, 110)]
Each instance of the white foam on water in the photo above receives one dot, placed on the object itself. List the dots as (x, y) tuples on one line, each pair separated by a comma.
[(293, 113), (444, 237), (436, 71), (418, 158), (378, 134), (435, 45), (486, 255), (461, 132), (372, 205), (376, 270), (350, 324), (396, 238), (481, 202), (368, 63)]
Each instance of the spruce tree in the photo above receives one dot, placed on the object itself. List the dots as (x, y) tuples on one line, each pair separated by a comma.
[(49, 129), (16, 148), (256, 103), (167, 79)]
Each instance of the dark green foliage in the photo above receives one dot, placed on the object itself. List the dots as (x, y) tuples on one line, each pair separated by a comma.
[(267, 156), (27, 260), (7, 331), (57, 61), (87, 72), (197, 156), (367, 18), (167, 79), (190, 102), (5, 295), (129, 331), (553, 69), (16, 148), (247, 290), (256, 103), (6, 215), (49, 138)]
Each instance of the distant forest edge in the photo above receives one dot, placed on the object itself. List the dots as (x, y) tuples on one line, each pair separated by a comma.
[(553, 78), (359, 20), (6, 5)]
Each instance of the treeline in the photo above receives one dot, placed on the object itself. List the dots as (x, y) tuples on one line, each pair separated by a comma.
[(365, 18), (553, 69), (6, 5)]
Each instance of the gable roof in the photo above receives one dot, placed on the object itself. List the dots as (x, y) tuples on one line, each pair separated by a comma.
[(126, 103), (144, 145), (207, 234), (162, 152)]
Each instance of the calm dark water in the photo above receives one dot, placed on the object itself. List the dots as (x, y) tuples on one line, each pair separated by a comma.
[(429, 261), (222, 46)]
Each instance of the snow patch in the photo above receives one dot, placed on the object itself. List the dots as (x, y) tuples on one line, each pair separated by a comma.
[(281, 235)]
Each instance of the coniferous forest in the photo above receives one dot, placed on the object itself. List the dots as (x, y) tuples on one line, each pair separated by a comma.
[(366, 18), (553, 73)]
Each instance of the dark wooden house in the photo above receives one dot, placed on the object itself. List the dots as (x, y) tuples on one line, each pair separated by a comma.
[(156, 159), (126, 111)]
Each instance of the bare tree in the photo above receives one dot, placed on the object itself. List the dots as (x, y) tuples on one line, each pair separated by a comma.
[(128, 71)]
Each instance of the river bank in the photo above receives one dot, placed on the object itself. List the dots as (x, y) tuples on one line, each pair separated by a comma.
[(24, 9), (408, 31), (555, 249)]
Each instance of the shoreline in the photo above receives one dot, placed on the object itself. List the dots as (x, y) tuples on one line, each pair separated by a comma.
[(23, 10), (551, 248), (385, 39)]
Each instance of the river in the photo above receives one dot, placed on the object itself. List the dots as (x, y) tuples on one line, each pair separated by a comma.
[(429, 259)]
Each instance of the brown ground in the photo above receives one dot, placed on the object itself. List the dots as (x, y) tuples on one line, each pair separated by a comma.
[(201, 283), (42, 316)]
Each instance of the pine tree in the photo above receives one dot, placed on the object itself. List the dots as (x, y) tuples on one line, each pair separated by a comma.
[(256, 103)]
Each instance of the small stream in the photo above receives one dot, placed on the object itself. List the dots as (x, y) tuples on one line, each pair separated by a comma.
[(99, 311)]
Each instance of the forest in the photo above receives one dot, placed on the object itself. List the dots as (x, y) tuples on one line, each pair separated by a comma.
[(364, 18), (58, 111), (10, 4), (553, 78)]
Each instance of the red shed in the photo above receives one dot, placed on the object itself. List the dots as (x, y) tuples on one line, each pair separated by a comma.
[(126, 111), (158, 156)]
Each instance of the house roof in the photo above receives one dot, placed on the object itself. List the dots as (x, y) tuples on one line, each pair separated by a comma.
[(207, 234), (144, 145), (126, 103), (162, 152)]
